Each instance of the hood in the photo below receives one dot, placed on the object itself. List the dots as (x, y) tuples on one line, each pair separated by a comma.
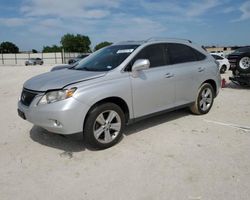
[(59, 79)]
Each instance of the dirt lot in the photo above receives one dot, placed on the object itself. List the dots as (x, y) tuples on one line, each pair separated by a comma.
[(173, 156)]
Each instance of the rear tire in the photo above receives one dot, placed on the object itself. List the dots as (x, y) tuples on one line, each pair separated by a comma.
[(204, 100), (104, 126)]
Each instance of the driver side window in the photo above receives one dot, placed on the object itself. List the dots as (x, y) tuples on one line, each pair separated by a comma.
[(154, 53)]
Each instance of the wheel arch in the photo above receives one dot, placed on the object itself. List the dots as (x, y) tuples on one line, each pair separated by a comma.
[(213, 84), (116, 100)]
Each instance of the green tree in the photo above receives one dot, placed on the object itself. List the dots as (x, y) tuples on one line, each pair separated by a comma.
[(76, 43), (52, 49), (8, 47), (102, 44), (34, 51)]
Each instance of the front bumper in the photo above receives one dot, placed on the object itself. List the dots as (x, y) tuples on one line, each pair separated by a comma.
[(62, 117)]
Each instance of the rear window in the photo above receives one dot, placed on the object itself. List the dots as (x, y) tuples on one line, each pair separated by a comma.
[(180, 53)]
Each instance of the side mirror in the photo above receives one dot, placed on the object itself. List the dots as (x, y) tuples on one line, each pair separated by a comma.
[(141, 64)]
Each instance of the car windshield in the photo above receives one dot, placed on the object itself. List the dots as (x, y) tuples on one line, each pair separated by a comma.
[(106, 59), (244, 49)]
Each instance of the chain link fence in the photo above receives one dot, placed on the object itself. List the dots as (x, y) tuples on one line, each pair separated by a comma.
[(48, 58)]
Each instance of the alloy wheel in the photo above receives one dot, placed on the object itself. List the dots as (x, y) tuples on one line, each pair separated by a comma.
[(245, 63), (107, 126), (206, 99)]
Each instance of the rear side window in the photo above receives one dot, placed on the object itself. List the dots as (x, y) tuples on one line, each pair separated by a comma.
[(180, 53), (155, 55), (217, 57)]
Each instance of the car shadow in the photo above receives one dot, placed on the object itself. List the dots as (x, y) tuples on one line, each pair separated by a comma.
[(67, 143), (155, 121), (233, 85), (75, 143)]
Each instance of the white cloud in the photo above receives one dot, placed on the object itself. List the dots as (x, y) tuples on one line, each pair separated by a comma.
[(13, 22), (181, 10), (126, 27), (201, 7), (245, 10), (228, 10), (69, 9)]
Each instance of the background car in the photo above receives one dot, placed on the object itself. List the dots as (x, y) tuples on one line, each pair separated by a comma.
[(219, 53), (240, 60), (78, 58), (223, 62), (240, 65), (34, 61)]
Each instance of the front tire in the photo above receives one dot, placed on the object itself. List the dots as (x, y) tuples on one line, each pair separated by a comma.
[(104, 126), (204, 100)]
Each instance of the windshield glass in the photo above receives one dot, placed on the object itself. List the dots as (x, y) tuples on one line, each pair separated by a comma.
[(244, 49), (107, 58)]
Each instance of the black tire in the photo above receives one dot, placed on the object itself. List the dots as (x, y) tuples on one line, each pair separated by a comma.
[(91, 123), (223, 69), (238, 64), (196, 108), (41, 63)]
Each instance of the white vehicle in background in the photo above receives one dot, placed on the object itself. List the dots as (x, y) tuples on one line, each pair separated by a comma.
[(219, 53), (223, 62)]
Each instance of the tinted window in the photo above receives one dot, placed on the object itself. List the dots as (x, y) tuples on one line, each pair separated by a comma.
[(199, 55), (243, 49), (180, 53), (217, 57), (155, 55)]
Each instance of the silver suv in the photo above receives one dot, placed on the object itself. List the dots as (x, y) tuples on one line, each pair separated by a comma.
[(120, 84)]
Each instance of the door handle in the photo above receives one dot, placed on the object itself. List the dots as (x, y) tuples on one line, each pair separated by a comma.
[(201, 69), (169, 75)]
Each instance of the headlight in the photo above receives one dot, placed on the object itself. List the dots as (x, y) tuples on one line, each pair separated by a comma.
[(57, 95)]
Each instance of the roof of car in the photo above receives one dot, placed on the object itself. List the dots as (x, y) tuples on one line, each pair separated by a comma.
[(153, 40)]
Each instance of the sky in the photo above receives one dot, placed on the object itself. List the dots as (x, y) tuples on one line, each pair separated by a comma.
[(32, 24)]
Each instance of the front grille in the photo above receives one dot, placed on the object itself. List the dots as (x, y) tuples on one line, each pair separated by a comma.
[(27, 97)]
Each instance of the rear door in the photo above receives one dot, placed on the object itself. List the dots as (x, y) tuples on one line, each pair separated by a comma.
[(189, 71)]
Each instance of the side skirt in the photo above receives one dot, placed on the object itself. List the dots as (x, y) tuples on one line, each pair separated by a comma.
[(134, 120)]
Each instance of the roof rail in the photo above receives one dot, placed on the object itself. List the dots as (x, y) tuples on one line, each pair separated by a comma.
[(162, 38)]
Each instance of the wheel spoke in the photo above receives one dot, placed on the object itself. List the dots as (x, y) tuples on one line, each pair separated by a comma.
[(201, 102), (107, 136), (207, 93), (115, 126), (203, 93), (209, 100), (100, 119), (204, 106), (111, 116), (98, 132)]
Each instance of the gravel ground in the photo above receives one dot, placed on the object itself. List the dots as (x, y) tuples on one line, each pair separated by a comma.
[(172, 156)]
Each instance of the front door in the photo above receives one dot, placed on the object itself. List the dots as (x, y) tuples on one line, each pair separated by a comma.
[(153, 89)]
